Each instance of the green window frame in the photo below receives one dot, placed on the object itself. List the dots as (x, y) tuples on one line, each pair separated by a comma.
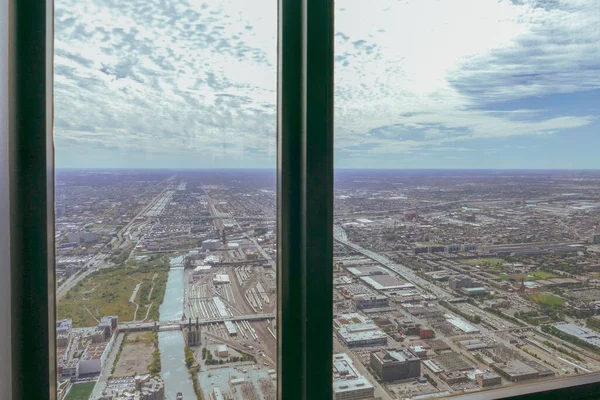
[(304, 212)]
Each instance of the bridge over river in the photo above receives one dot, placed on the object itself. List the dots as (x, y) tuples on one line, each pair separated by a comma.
[(178, 325)]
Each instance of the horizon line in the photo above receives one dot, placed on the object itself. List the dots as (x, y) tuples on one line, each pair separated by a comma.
[(335, 169)]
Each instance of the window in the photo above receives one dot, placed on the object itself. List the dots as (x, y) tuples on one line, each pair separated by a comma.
[(165, 222), (309, 354), (466, 198)]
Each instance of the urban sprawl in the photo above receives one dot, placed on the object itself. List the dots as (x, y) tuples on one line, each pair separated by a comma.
[(445, 282)]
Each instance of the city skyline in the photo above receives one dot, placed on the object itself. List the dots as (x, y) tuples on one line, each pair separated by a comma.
[(485, 84)]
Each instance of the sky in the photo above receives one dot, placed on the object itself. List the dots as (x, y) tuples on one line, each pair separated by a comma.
[(418, 84)]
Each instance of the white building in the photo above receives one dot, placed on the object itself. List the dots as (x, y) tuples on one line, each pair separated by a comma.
[(348, 384), (356, 330)]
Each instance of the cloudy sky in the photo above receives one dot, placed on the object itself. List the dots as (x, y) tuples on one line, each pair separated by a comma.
[(418, 83)]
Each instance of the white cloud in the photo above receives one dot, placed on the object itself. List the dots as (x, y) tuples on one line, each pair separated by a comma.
[(198, 79), (436, 64)]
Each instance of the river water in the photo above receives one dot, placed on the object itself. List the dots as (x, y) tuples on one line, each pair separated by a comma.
[(171, 343)]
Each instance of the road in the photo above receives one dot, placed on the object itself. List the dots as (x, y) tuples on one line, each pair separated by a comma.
[(404, 271), (98, 261), (262, 251), (149, 325), (107, 368), (218, 225)]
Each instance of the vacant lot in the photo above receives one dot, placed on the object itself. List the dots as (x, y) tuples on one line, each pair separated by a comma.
[(81, 391), (136, 354), (108, 291), (548, 299)]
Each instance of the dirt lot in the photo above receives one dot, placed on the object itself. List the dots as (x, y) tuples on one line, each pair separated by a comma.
[(136, 355)]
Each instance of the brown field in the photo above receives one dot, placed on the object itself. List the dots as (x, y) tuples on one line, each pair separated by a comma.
[(136, 355)]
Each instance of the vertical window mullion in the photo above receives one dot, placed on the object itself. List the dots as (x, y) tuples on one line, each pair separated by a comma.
[(318, 196), (290, 364), (31, 199), (305, 199)]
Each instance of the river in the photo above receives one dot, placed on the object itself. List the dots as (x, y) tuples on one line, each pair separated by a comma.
[(171, 343)]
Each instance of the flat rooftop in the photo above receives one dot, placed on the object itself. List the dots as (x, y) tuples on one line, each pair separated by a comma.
[(461, 324), (345, 376), (590, 336), (386, 282), (365, 271), (355, 327), (516, 368)]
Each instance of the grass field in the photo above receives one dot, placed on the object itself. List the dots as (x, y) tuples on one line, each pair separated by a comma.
[(548, 299), (544, 275), (81, 391), (108, 291)]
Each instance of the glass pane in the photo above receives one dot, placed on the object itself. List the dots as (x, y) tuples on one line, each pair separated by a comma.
[(165, 199), (467, 196)]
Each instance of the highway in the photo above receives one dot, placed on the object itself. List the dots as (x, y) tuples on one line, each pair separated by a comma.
[(405, 272)]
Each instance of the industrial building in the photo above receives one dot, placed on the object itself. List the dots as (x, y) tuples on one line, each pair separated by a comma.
[(231, 329), (211, 244), (488, 379), (370, 301), (356, 330), (453, 377), (365, 271), (461, 324), (394, 365), (93, 357), (202, 269), (386, 282), (516, 371), (348, 384), (475, 291), (588, 335), (193, 333), (222, 351)]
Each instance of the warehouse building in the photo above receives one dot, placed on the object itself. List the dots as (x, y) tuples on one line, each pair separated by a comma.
[(488, 379), (475, 291), (517, 371), (355, 331), (370, 301), (394, 365), (348, 384)]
